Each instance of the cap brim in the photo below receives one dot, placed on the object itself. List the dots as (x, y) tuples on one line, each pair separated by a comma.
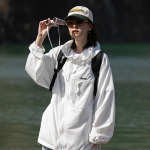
[(76, 15)]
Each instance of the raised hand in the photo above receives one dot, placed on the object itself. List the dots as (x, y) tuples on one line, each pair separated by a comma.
[(42, 32)]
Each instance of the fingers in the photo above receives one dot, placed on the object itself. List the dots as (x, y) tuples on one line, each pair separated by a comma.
[(43, 22), (42, 25), (93, 144), (48, 23)]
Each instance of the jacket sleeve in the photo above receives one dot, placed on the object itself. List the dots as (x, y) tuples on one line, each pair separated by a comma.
[(104, 108), (41, 66)]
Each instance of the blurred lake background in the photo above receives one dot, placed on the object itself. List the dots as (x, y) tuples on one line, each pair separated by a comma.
[(123, 27)]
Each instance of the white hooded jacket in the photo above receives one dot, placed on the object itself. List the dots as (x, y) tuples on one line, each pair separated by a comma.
[(74, 118)]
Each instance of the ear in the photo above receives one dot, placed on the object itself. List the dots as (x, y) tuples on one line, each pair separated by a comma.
[(90, 26)]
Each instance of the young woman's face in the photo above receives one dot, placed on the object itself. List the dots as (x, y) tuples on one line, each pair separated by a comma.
[(78, 28)]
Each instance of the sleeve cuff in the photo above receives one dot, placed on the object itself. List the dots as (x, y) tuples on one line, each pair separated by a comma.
[(96, 137), (35, 48)]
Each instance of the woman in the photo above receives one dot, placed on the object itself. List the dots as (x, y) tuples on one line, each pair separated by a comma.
[(75, 119)]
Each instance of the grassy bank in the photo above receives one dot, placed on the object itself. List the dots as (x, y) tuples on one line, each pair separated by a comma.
[(110, 49)]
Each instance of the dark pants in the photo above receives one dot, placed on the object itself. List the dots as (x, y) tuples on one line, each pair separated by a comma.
[(45, 148)]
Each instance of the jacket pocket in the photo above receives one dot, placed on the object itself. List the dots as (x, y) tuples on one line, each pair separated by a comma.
[(84, 93), (83, 84)]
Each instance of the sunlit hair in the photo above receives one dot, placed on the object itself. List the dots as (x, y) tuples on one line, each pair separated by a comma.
[(91, 39)]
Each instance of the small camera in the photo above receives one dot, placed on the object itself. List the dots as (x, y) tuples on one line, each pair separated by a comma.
[(55, 22)]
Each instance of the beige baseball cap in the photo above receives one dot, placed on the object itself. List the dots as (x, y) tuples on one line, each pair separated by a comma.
[(80, 12)]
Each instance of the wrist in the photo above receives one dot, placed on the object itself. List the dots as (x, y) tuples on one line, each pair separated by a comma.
[(39, 40)]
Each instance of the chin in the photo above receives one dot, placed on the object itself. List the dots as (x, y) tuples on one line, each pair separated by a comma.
[(76, 36)]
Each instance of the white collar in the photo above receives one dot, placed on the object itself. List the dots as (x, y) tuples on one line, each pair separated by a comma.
[(85, 56)]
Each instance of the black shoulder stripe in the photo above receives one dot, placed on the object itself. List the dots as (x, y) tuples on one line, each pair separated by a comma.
[(96, 64), (61, 59)]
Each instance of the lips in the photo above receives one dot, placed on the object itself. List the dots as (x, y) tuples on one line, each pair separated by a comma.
[(75, 31)]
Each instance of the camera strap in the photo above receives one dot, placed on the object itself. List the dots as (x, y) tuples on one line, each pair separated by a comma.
[(50, 38)]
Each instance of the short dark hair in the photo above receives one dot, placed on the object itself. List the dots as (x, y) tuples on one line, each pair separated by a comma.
[(91, 39)]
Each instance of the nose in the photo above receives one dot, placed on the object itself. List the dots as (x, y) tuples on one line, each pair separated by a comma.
[(74, 25)]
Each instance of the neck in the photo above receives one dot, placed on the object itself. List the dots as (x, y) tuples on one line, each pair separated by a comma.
[(80, 45)]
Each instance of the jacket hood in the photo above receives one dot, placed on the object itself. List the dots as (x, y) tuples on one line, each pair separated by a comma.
[(84, 57)]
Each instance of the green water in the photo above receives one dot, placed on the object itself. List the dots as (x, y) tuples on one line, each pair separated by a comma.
[(22, 103)]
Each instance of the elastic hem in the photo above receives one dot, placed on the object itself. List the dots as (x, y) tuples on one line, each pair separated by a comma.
[(43, 143)]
